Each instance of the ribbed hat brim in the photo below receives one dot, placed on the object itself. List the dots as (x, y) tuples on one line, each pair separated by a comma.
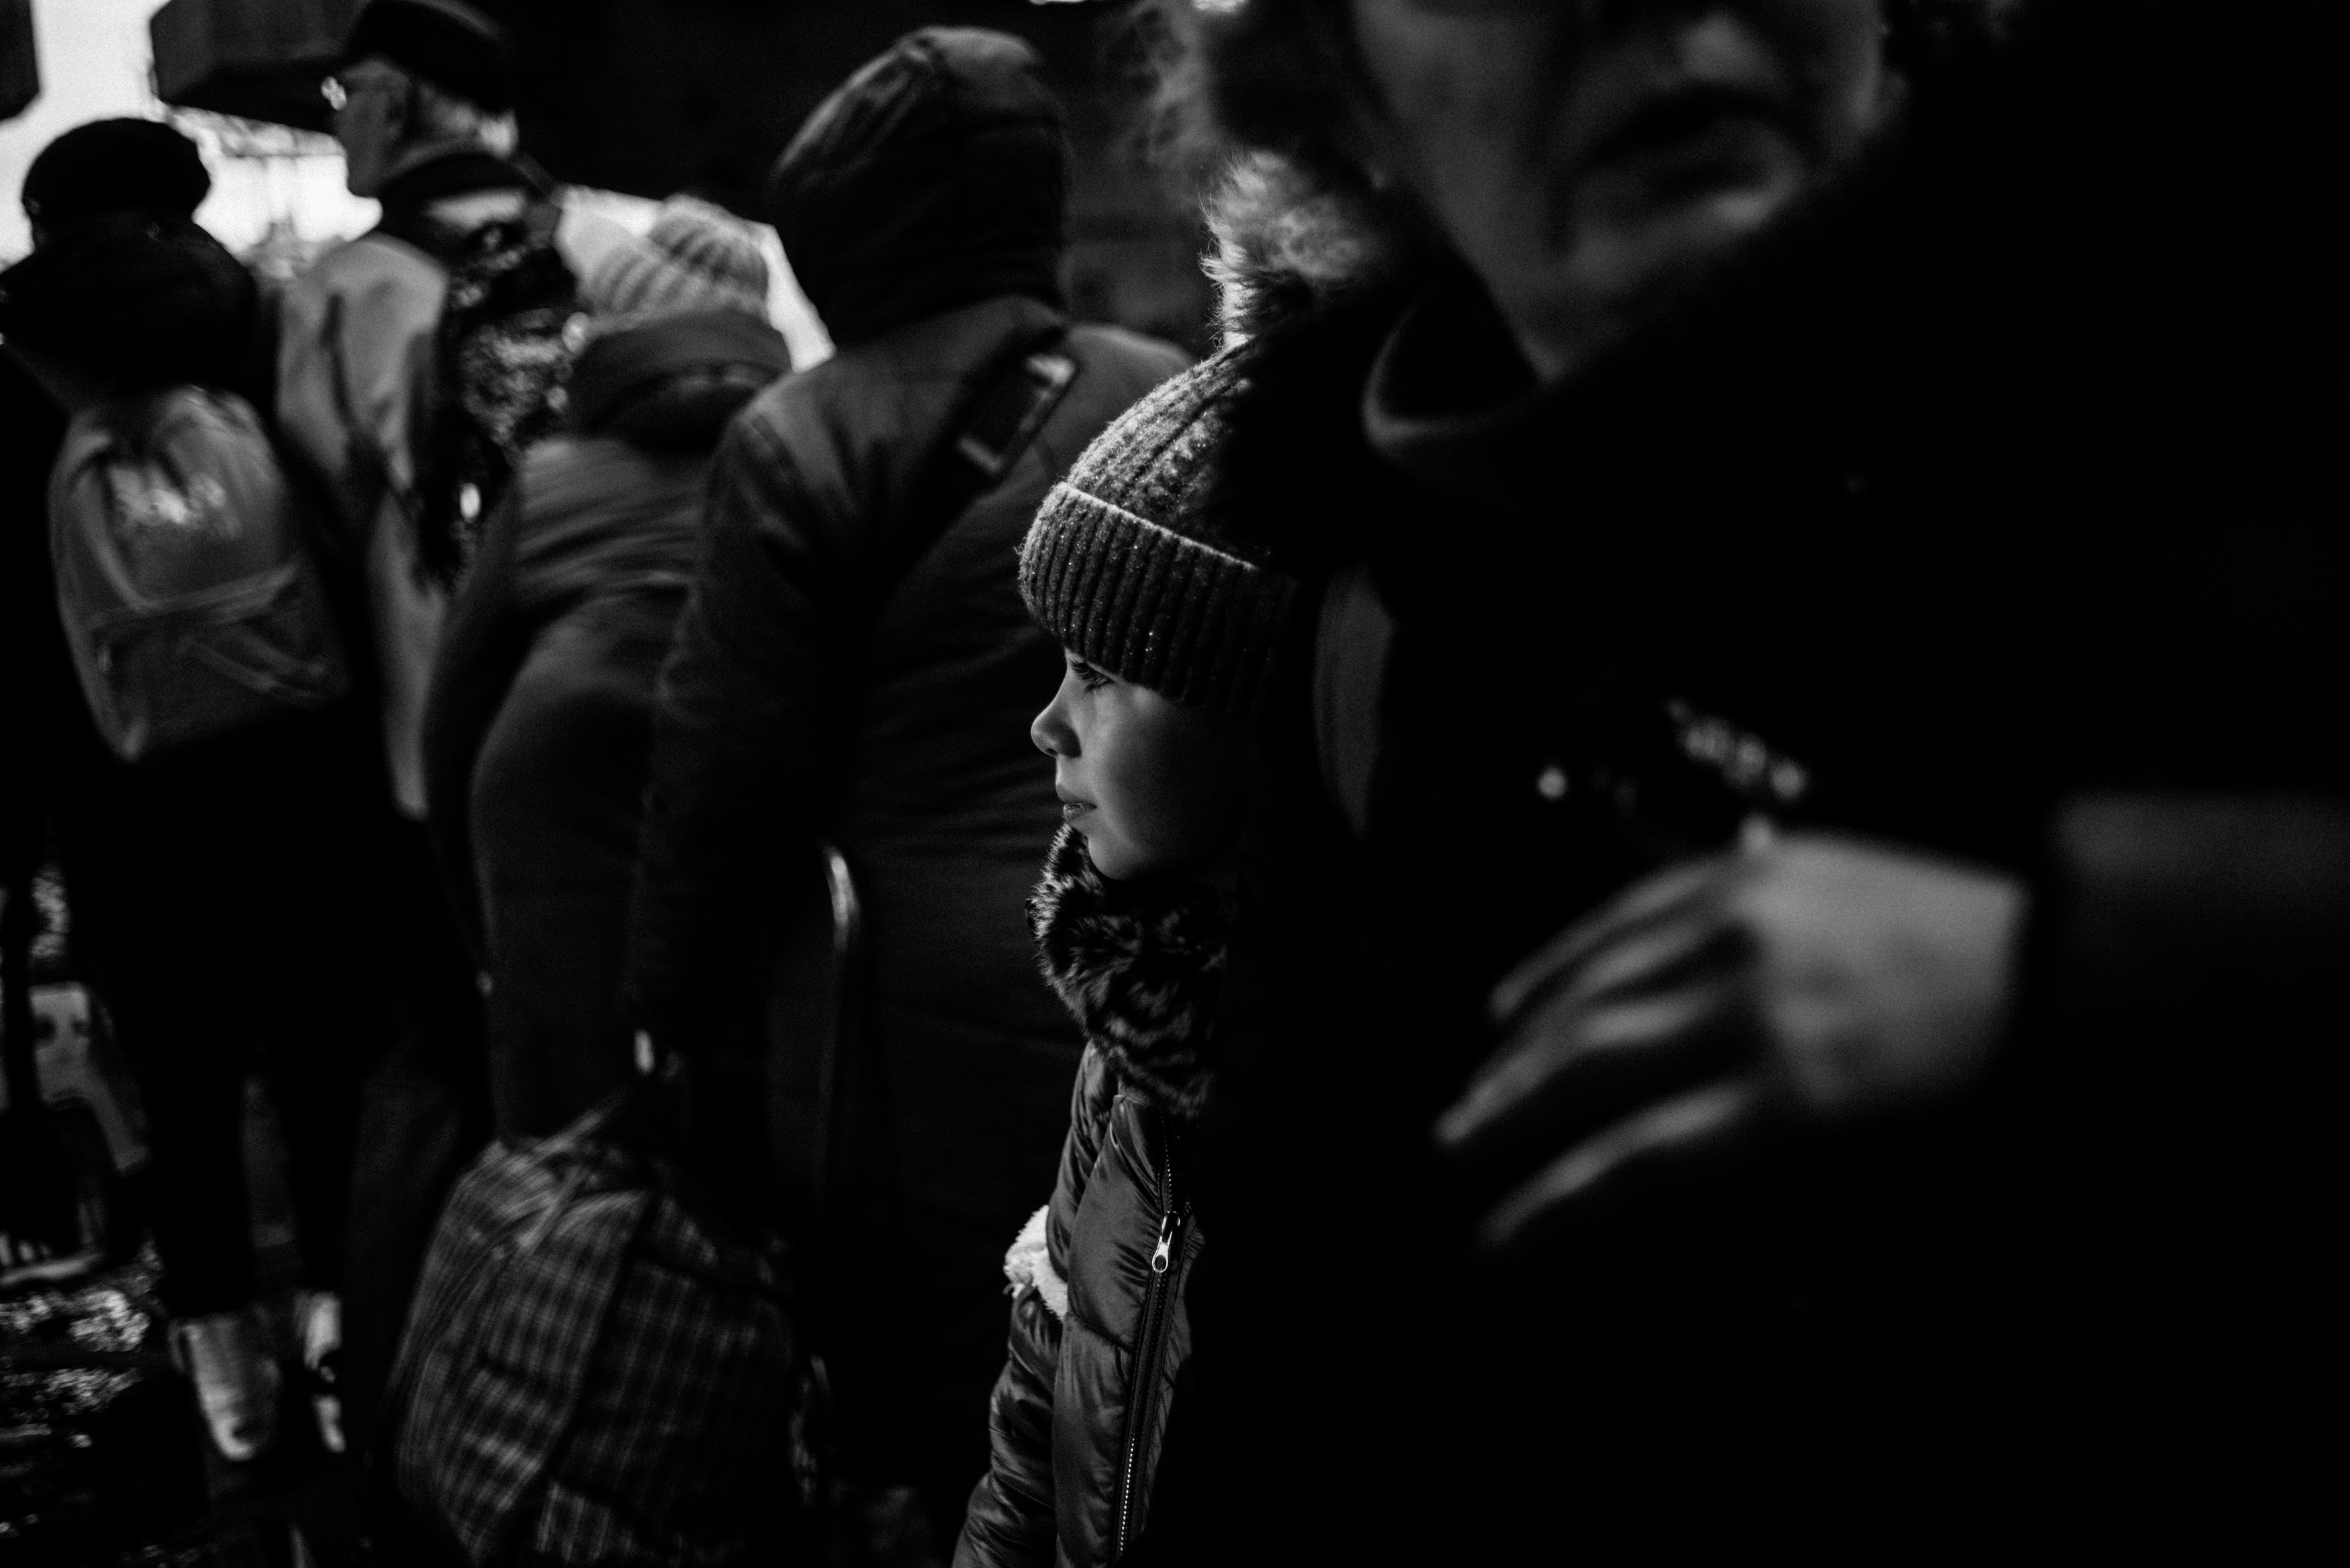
[(1151, 606)]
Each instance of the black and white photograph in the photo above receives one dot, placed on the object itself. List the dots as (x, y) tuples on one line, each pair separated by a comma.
[(1172, 784)]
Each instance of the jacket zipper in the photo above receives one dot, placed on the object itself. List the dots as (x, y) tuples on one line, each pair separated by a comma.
[(1150, 1345)]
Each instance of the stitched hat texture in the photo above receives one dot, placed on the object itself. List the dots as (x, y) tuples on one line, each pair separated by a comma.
[(696, 256), (1125, 563)]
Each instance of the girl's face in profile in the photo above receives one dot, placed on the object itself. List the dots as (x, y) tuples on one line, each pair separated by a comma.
[(1155, 787), (1581, 156)]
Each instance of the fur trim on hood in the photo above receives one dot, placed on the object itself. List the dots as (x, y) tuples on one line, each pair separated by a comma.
[(1138, 967)]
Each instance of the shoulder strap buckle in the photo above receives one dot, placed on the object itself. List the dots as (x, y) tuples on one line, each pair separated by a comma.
[(1014, 410)]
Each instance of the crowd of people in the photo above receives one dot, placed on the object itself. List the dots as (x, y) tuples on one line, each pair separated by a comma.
[(1691, 812)]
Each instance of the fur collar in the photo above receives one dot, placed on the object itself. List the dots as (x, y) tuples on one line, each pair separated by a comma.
[(1138, 967)]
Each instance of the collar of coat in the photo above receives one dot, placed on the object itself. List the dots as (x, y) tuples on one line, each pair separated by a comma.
[(1137, 966), (676, 379)]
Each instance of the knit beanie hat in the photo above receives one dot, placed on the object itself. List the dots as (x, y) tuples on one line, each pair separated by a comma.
[(1125, 563), (112, 166), (695, 257), (446, 43)]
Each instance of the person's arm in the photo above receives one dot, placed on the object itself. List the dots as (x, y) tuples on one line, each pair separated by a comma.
[(345, 352), (738, 743), (1011, 1519), (2225, 917), (481, 649), (1721, 1008)]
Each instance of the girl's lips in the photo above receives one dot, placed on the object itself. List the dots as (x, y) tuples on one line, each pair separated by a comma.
[(1072, 809)]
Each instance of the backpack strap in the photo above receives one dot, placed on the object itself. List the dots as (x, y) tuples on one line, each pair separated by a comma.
[(981, 450), (997, 429), (1354, 634)]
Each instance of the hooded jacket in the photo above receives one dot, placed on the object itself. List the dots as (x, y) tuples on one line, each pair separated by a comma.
[(542, 694), (811, 698), (950, 144)]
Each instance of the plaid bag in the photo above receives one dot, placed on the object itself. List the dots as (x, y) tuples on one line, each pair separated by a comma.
[(597, 1369)]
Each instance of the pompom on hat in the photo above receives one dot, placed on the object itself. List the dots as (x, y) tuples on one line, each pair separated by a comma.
[(444, 42), (696, 257), (114, 166), (1125, 563)]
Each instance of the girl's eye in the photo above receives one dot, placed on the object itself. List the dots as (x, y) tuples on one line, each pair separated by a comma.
[(1093, 680)]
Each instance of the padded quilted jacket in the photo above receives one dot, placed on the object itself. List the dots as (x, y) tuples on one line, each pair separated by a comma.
[(1098, 1326)]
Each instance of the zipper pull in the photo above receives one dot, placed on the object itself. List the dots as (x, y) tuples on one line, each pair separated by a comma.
[(1165, 1242)]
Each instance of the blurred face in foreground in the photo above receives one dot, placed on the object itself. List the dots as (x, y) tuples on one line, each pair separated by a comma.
[(1155, 787), (1584, 155)]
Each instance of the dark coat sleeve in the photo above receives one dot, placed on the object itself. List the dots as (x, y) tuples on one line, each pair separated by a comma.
[(2193, 930), (738, 725), (482, 646), (1012, 1515)]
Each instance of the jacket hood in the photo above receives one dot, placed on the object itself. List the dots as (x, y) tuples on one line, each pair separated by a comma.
[(675, 382), (145, 298), (935, 176)]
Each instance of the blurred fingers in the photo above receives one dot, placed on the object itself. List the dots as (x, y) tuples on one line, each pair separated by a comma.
[(1642, 1160), (1577, 1068), (1663, 898)]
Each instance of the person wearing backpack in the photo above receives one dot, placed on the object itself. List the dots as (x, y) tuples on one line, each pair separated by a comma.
[(423, 103), (423, 111), (206, 774), (854, 665)]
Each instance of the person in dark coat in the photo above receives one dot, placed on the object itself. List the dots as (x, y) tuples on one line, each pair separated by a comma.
[(1167, 634), (1785, 969), (542, 696), (834, 681), (205, 886)]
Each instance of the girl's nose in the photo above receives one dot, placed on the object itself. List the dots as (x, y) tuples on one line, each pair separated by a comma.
[(1050, 731)]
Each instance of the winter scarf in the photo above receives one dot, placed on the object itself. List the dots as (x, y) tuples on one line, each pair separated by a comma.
[(1137, 966)]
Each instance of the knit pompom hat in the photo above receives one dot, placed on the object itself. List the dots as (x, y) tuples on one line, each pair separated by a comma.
[(695, 257), (1126, 566)]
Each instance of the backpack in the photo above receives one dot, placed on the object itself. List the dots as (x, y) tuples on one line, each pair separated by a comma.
[(598, 1368), (189, 598), (501, 355)]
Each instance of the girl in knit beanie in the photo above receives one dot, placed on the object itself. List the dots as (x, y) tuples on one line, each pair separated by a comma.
[(1167, 627)]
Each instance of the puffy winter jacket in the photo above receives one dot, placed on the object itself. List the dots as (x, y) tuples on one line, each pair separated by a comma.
[(1099, 1329), (810, 697), (541, 696)]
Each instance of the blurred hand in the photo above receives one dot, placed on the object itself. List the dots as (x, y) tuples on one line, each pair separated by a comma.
[(1722, 1007)]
